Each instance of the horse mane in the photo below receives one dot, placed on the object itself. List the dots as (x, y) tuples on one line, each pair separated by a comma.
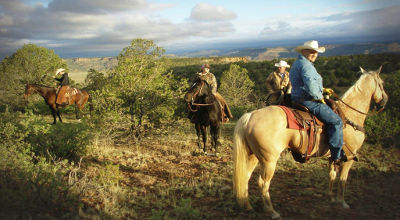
[(39, 85), (355, 88)]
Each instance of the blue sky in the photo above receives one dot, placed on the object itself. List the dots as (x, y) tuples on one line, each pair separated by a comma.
[(78, 28)]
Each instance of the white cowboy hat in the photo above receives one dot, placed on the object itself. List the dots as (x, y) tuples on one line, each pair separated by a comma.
[(60, 70), (311, 45), (282, 63)]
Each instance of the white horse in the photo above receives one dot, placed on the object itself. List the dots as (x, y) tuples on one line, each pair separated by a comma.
[(261, 136)]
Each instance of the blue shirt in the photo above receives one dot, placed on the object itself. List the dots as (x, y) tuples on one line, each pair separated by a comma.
[(306, 81)]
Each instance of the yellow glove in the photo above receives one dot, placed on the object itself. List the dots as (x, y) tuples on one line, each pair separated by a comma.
[(327, 91), (320, 101)]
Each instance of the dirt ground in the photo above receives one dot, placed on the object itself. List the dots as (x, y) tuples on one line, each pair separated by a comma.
[(166, 170)]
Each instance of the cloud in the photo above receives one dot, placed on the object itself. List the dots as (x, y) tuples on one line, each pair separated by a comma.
[(206, 12), (102, 27), (97, 6), (384, 22)]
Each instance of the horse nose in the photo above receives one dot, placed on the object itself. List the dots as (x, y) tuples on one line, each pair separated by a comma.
[(187, 98)]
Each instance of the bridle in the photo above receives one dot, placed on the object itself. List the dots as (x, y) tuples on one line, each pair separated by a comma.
[(198, 91), (351, 107)]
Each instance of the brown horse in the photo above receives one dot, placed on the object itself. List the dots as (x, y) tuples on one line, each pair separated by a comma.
[(49, 94), (206, 112), (261, 136)]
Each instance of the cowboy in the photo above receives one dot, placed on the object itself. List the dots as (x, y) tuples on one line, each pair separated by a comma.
[(307, 90), (63, 87), (209, 77), (278, 84)]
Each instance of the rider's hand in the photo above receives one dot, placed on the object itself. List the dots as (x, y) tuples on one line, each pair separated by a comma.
[(320, 101), (327, 91)]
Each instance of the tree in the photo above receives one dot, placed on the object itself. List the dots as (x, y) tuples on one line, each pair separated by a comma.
[(144, 85), (29, 64), (236, 85)]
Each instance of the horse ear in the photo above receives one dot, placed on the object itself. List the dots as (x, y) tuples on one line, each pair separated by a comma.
[(379, 70), (362, 70)]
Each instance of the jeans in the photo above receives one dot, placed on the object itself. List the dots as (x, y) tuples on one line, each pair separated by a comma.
[(333, 124)]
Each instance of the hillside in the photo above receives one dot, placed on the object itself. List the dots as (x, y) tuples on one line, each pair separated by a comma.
[(79, 67)]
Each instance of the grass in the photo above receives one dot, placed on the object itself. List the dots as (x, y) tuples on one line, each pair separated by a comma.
[(159, 178)]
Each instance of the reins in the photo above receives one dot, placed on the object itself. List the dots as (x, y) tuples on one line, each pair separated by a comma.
[(337, 97), (198, 104)]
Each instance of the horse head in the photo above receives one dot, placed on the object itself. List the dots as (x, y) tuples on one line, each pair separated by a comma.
[(29, 90), (379, 95), (199, 90)]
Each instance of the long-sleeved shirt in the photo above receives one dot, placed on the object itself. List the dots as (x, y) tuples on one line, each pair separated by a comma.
[(211, 81), (278, 81), (64, 80), (306, 81)]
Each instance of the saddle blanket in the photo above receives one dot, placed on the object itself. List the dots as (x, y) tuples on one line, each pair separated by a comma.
[(291, 120)]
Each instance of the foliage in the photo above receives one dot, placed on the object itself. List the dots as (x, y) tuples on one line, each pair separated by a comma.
[(236, 85), (31, 186), (62, 140), (29, 64), (146, 90)]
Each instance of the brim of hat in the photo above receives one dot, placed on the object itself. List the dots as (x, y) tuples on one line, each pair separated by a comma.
[(277, 65), (302, 47)]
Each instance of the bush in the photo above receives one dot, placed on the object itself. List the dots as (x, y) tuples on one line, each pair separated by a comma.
[(30, 186), (238, 111), (62, 140), (383, 128)]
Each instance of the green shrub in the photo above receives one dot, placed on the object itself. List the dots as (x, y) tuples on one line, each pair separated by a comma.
[(61, 140), (238, 111), (31, 186), (383, 128)]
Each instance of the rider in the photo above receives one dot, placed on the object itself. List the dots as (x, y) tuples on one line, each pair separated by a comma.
[(209, 77), (63, 87), (278, 81), (307, 90)]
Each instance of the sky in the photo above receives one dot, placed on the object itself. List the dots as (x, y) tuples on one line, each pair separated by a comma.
[(95, 28)]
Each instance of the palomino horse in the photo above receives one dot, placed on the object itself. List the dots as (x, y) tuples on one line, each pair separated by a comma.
[(261, 136), (49, 94), (206, 112)]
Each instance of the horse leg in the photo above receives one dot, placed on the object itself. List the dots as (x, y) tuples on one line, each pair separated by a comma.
[(204, 133), (332, 177), (342, 183), (214, 130), (264, 181), (53, 112), (198, 130), (58, 114)]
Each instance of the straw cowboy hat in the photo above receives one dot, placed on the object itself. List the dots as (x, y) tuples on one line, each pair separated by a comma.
[(60, 70), (310, 45), (282, 63)]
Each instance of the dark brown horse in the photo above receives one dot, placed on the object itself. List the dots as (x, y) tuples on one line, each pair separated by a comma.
[(205, 111), (79, 98)]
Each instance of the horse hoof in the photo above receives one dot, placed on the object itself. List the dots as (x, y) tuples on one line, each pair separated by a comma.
[(275, 215), (345, 205)]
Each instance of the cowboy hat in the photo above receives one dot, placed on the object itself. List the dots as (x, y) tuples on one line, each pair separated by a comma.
[(60, 70), (282, 63), (310, 45)]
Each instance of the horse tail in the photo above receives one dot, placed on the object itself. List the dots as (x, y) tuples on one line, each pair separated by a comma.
[(240, 160)]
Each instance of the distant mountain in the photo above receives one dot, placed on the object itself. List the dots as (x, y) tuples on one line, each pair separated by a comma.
[(79, 67), (268, 53)]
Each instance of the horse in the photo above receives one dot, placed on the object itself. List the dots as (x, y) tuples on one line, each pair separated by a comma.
[(261, 135), (206, 111), (49, 95)]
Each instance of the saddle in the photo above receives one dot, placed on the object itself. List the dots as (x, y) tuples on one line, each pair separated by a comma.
[(300, 118), (225, 111), (64, 94)]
